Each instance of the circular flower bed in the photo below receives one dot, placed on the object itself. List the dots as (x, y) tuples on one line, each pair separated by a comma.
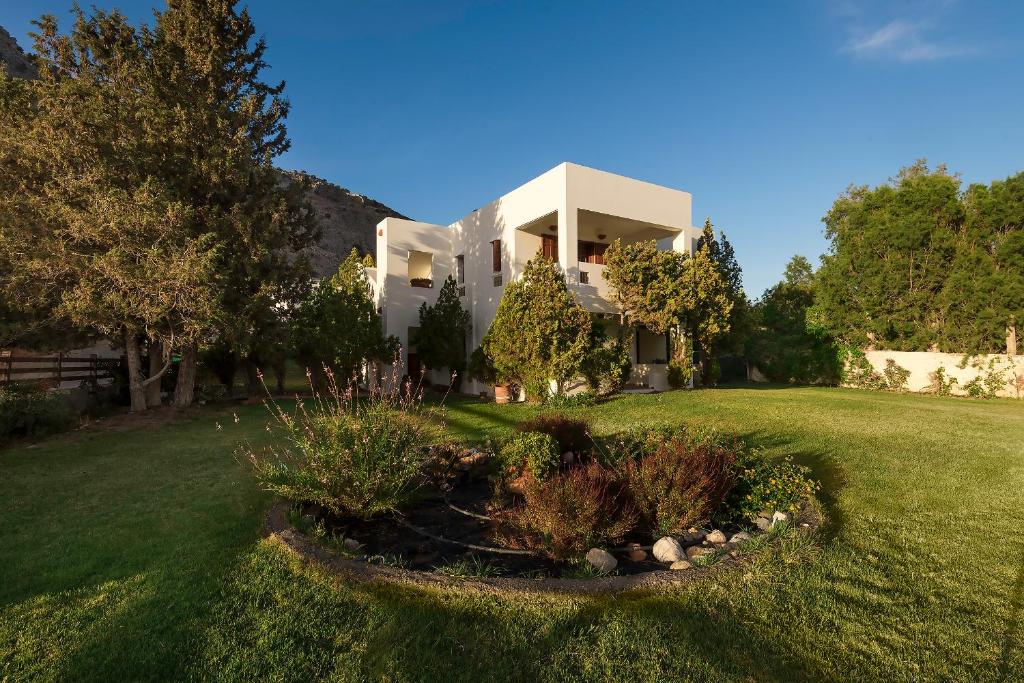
[(549, 503)]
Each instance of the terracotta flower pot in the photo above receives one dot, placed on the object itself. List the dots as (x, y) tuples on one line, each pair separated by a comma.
[(501, 393)]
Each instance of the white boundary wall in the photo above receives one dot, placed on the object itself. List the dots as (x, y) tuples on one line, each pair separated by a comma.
[(922, 363)]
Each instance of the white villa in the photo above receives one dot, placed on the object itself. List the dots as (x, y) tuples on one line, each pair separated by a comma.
[(570, 213)]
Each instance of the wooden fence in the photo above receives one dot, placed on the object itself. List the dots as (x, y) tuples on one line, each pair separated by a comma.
[(54, 370)]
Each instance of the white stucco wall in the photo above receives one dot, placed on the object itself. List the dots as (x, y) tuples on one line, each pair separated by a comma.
[(921, 364)]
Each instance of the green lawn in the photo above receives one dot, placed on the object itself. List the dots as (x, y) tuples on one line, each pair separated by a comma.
[(136, 554)]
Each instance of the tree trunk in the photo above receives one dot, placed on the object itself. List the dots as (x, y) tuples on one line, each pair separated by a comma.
[(254, 385), (155, 363), (184, 388), (135, 387)]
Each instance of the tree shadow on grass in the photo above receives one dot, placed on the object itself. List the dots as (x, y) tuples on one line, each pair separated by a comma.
[(1011, 649)]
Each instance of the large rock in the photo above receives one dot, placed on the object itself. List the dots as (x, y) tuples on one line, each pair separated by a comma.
[(601, 560), (681, 564), (697, 551), (716, 537), (740, 537), (781, 518), (667, 549)]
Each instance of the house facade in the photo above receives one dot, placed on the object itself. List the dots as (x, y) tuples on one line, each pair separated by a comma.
[(571, 214)]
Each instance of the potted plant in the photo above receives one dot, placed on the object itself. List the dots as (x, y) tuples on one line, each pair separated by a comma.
[(482, 369)]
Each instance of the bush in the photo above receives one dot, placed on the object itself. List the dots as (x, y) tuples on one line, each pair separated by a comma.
[(681, 483), (481, 368), (354, 458), (572, 434), (607, 366), (896, 376), (679, 374), (28, 411), (537, 452), (766, 485), (569, 513), (941, 384)]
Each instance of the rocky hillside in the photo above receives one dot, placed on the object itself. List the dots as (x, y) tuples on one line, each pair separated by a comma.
[(12, 57), (348, 220)]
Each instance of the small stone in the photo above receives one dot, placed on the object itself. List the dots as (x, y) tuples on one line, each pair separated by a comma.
[(697, 551), (667, 549), (680, 564), (763, 523), (636, 553), (740, 537), (352, 544), (693, 536), (782, 517), (716, 537), (601, 560)]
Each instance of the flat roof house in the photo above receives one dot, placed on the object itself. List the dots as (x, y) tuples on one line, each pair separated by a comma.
[(570, 213)]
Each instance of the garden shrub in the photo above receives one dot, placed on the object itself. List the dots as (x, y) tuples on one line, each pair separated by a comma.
[(680, 372), (768, 485), (569, 513), (29, 411), (941, 384), (681, 483), (607, 366), (896, 376), (571, 433), (354, 458), (858, 371), (537, 452)]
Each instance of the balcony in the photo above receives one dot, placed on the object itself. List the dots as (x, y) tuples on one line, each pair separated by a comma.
[(421, 266)]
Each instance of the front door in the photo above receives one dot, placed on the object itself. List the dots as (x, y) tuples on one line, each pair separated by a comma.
[(549, 247)]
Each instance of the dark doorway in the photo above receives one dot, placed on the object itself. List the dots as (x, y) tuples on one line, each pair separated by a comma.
[(414, 367)]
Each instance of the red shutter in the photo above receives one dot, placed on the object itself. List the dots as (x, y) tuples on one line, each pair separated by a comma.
[(496, 256)]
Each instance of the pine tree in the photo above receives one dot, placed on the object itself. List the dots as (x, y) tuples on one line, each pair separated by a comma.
[(337, 326), (540, 333), (440, 339)]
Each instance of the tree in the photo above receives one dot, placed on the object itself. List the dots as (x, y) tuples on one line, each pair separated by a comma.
[(983, 293), (92, 234), (540, 333), (721, 252), (337, 325), (645, 282), (705, 306), (890, 254), (221, 129), (440, 340), (784, 346)]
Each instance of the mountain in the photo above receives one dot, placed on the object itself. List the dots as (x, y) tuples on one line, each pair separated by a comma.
[(13, 57), (348, 219)]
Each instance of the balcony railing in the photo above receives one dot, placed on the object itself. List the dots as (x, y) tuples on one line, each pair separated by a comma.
[(424, 282)]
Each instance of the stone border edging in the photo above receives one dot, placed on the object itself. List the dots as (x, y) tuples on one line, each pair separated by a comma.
[(277, 528)]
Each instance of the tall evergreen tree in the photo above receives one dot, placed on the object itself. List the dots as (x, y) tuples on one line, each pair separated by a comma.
[(337, 326), (721, 252), (983, 293), (93, 235), (890, 254), (540, 333), (440, 339)]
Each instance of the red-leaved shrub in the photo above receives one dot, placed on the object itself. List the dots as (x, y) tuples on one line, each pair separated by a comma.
[(572, 434), (568, 513), (680, 484)]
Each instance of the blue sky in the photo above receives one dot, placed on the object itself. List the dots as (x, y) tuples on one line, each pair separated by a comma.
[(764, 111)]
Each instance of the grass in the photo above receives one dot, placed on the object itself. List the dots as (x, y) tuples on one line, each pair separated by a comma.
[(137, 554)]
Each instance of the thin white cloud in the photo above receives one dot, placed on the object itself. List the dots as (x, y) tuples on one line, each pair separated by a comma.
[(904, 41)]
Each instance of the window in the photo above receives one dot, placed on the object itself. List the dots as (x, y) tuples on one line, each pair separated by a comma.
[(584, 277), (591, 252), (460, 269), (421, 266), (496, 256)]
